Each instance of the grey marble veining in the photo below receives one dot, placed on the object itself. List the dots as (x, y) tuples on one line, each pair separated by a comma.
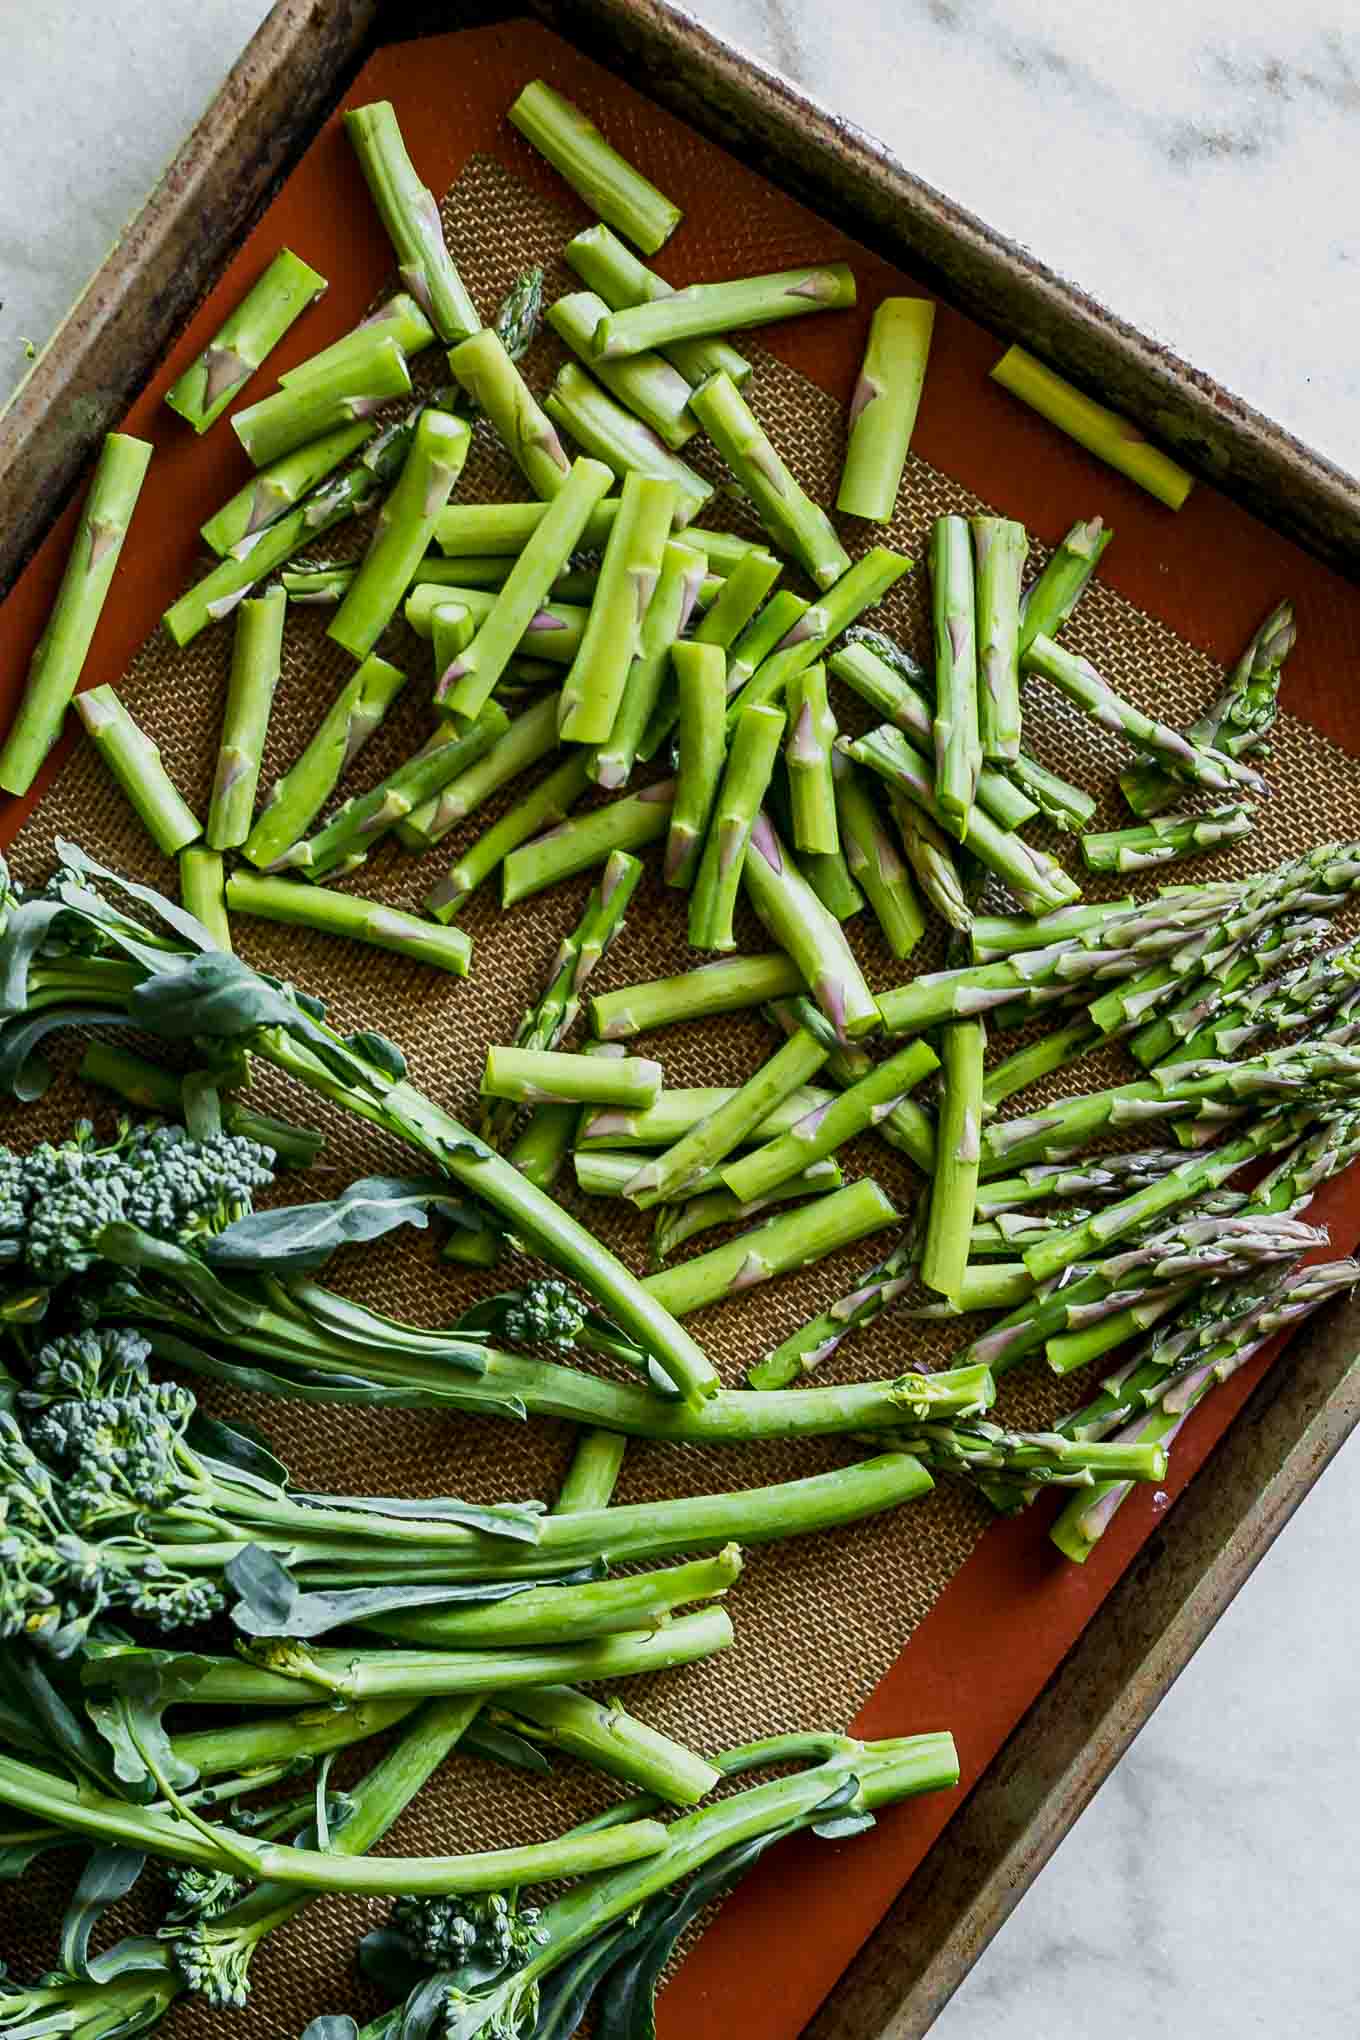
[(1195, 167)]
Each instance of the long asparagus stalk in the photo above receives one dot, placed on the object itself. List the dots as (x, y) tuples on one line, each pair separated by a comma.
[(484, 369), (873, 860), (958, 748), (297, 799), (746, 775), (791, 1240), (668, 613), (336, 913), (953, 1194), (827, 1127), (999, 546), (586, 840), (701, 695), (724, 986), (404, 529), (595, 681)]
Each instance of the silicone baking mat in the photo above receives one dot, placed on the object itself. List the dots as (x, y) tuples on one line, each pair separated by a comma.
[(926, 1619)]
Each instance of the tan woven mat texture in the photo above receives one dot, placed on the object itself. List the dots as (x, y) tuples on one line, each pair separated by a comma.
[(818, 1622)]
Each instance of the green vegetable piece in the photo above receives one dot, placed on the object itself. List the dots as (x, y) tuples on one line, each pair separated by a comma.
[(244, 339)]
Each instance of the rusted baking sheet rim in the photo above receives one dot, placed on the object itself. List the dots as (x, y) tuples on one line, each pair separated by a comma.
[(269, 109)]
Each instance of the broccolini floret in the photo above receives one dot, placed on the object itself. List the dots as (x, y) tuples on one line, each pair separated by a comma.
[(544, 1313), (478, 1937)]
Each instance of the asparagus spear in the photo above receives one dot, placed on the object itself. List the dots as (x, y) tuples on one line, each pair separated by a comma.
[(725, 986), (1099, 1177), (256, 664), (246, 336), (409, 213), (546, 806), (576, 845), (791, 1240), (400, 319), (1105, 433), (676, 1223), (295, 800), (135, 763), (554, 632), (650, 386), (787, 907), (404, 529), (59, 656), (893, 695), (608, 183), (677, 1112), (883, 407), (701, 688), (1039, 883), (275, 490), (930, 853), (603, 429), (795, 523), (742, 594), (1215, 998), (827, 1127), (356, 826), (484, 369), (815, 1341), (336, 397), (1310, 992), (958, 749), (202, 883), (908, 1127), (1165, 840), (1041, 1059), (465, 687), (543, 1076), (337, 913), (479, 530), (1050, 599), (668, 613), (999, 547), (615, 273), (815, 627), (1079, 681), (874, 862), (530, 737), (746, 775), (1239, 721), (761, 636), (702, 309), (997, 936), (595, 681), (807, 758), (708, 1143), (550, 1019), (953, 1194)]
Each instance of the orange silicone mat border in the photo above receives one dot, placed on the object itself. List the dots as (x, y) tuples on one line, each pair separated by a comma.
[(1005, 1622)]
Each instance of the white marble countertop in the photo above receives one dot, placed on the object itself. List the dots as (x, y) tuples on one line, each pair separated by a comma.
[(1193, 166)]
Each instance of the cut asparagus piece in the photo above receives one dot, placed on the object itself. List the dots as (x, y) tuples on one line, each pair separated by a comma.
[(606, 431), (1108, 435), (883, 407), (726, 986), (1164, 840), (484, 369), (1041, 1059), (908, 1127), (358, 920), (677, 1112), (760, 637), (298, 798), (703, 309), (554, 632), (1038, 881), (997, 936), (891, 694), (410, 215), (1239, 721), (649, 385), (546, 806), (59, 656), (544, 1076), (746, 775), (742, 594), (788, 908), (586, 840), (795, 523), (807, 759), (246, 336), (465, 687), (958, 748), (202, 884), (597, 173), (530, 737), (276, 425), (828, 1127), (1050, 599), (953, 1192), (1079, 681), (999, 549), (400, 319), (873, 860), (275, 490), (930, 853), (676, 1223), (135, 763), (677, 591), (793, 1239), (671, 1175), (614, 272), (481, 530), (812, 632), (815, 1341), (595, 681), (256, 664), (1057, 800), (701, 693), (404, 529)]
